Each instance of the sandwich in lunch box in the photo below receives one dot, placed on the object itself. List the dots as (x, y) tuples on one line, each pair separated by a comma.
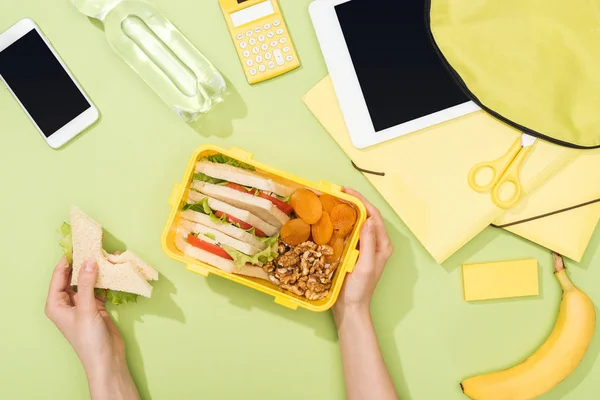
[(233, 217), (121, 277)]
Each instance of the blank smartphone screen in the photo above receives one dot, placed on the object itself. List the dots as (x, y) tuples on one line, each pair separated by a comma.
[(401, 76), (40, 83)]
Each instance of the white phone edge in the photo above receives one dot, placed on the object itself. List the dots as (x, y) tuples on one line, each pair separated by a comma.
[(77, 125), (347, 85)]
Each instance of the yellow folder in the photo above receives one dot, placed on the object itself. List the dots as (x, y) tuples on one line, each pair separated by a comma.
[(563, 213), (426, 172)]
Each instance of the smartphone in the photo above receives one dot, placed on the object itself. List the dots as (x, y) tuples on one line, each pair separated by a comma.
[(42, 84)]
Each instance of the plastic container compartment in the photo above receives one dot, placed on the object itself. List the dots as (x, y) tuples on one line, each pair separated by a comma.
[(282, 297)]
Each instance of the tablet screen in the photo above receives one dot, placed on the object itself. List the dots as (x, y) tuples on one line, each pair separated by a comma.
[(400, 74)]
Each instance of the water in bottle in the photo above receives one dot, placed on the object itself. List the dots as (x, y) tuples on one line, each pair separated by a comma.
[(169, 63)]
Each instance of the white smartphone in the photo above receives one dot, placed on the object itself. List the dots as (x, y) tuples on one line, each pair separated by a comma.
[(42, 84)]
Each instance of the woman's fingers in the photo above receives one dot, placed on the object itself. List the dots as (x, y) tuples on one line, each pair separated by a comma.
[(383, 240), (60, 278), (86, 301), (368, 244)]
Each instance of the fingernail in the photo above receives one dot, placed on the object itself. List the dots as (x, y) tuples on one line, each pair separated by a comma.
[(89, 266)]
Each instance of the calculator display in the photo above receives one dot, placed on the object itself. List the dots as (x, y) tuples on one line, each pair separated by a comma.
[(252, 13), (401, 76)]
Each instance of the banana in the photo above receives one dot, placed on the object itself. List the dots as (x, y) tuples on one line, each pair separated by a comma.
[(553, 361)]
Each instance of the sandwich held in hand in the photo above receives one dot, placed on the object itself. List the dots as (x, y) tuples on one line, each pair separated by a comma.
[(245, 222), (554, 361), (121, 277)]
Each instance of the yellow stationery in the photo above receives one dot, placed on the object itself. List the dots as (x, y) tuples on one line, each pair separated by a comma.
[(567, 232), (426, 173), (500, 280)]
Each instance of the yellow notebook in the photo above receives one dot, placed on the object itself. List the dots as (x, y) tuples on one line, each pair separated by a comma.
[(426, 172)]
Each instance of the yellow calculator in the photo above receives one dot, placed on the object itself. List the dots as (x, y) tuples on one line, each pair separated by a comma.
[(261, 38)]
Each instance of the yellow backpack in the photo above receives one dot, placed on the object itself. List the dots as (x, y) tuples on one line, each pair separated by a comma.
[(534, 64)]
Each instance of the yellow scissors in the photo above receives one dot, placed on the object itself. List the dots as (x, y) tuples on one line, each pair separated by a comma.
[(506, 171)]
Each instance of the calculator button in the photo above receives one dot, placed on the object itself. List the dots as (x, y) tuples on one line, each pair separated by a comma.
[(239, 36), (268, 56), (271, 65), (282, 40), (262, 68), (249, 33), (265, 47), (261, 38), (267, 27), (258, 29), (274, 43), (286, 49), (252, 71), (270, 35), (259, 59), (255, 50), (243, 45), (278, 56), (276, 23), (249, 63), (246, 53), (252, 41), (289, 58), (279, 31)]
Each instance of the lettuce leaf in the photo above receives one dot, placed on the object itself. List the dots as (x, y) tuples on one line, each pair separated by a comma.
[(201, 207), (199, 176), (114, 296), (222, 159), (269, 254), (66, 241), (117, 298)]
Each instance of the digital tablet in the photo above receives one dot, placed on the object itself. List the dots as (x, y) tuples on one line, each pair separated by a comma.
[(388, 78)]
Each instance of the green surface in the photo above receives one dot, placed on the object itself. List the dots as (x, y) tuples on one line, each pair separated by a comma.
[(210, 338)]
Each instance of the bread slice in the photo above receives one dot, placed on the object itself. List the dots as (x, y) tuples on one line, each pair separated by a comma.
[(258, 206), (225, 265), (87, 245), (243, 177), (227, 229), (219, 237), (149, 273), (243, 215)]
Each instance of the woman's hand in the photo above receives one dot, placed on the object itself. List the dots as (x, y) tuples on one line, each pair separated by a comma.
[(365, 372), (83, 320), (375, 250)]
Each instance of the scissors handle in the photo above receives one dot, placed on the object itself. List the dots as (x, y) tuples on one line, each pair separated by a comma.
[(512, 177), (498, 168)]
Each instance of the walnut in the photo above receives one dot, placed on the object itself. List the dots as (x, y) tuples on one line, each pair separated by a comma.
[(291, 278), (282, 248), (274, 279), (307, 246), (331, 268), (268, 268), (310, 295), (302, 270), (293, 289), (288, 260), (305, 267), (326, 250)]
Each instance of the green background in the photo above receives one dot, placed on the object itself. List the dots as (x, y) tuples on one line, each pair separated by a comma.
[(210, 338)]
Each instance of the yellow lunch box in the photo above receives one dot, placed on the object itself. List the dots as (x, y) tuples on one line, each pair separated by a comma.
[(284, 298)]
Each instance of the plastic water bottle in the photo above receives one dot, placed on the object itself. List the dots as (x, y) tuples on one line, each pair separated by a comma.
[(168, 62)]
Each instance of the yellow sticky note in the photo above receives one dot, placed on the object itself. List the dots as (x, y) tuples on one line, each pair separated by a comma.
[(500, 280)]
